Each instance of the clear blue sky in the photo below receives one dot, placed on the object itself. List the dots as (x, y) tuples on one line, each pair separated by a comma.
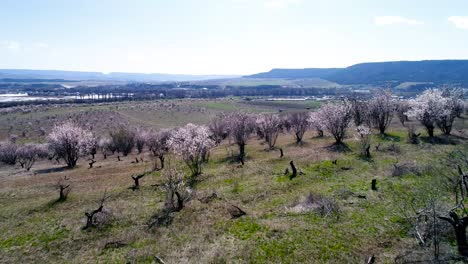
[(226, 36)]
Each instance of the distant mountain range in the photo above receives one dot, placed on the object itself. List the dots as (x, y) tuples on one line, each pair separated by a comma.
[(435, 71), (12, 74), (432, 72)]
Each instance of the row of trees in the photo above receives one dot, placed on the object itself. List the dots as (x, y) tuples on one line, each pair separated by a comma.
[(192, 143), (433, 108), (26, 155), (437, 108)]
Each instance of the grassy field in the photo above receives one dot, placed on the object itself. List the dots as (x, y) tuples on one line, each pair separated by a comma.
[(27, 123), (37, 229)]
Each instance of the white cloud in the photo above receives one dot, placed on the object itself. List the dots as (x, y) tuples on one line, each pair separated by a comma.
[(392, 20), (459, 21), (10, 45)]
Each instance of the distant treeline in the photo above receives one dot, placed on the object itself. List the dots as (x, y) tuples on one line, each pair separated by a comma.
[(138, 91)]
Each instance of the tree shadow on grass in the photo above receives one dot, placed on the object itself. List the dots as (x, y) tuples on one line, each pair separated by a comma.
[(55, 202), (443, 140), (301, 144), (365, 158), (338, 147), (233, 159), (50, 170), (389, 137), (46, 207), (163, 218)]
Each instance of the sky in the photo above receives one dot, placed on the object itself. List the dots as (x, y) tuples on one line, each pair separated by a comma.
[(226, 36)]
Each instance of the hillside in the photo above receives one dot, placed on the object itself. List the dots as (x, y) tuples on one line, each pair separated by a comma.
[(327, 214), (435, 71), (296, 73), (21, 74), (293, 83)]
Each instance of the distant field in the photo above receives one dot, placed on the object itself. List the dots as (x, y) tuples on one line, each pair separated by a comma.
[(151, 114)]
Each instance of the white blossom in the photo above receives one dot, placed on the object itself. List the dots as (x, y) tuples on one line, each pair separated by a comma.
[(192, 143)]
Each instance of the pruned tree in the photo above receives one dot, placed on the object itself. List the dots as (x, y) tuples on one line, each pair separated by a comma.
[(64, 187), (294, 170), (68, 141), (298, 123), (29, 153), (364, 140), (176, 190), (458, 216), (123, 140), (136, 180), (240, 125), (335, 118), (191, 143), (381, 110), (92, 219), (157, 143), (8, 153), (270, 126)]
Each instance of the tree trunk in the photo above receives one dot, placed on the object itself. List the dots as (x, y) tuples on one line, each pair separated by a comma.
[(382, 130), (136, 180), (63, 196), (374, 185), (89, 217), (298, 138), (294, 170), (368, 152), (71, 164), (459, 226), (430, 131), (320, 133), (241, 153), (161, 159), (180, 202)]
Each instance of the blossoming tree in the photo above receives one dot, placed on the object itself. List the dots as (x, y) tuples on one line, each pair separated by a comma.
[(157, 143), (241, 126), (428, 108), (270, 126), (191, 143), (381, 110), (316, 123), (298, 123), (68, 141), (29, 153), (335, 118)]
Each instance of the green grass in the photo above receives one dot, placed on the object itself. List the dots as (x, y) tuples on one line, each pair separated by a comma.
[(34, 229)]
